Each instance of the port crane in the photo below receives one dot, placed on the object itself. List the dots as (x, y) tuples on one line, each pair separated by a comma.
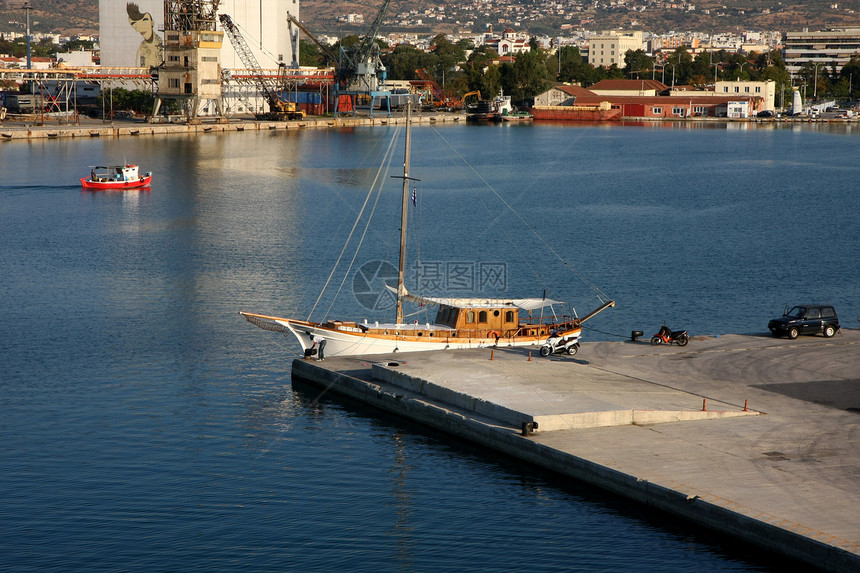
[(293, 21), (358, 67), (440, 99), (278, 108), (365, 63)]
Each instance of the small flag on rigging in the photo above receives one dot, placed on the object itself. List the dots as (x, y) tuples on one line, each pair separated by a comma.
[(414, 196)]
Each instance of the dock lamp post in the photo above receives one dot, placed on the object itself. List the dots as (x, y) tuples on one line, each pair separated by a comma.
[(27, 9), (713, 63), (815, 85)]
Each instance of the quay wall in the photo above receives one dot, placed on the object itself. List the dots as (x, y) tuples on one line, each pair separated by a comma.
[(29, 129), (762, 530), (11, 131)]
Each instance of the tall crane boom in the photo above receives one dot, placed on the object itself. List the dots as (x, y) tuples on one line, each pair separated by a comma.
[(277, 107), (367, 42), (246, 55), (293, 20)]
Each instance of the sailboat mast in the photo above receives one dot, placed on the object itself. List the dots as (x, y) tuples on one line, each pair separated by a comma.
[(404, 212)]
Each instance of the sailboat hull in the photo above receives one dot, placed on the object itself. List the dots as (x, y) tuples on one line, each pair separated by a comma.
[(460, 323), (360, 341), (342, 343)]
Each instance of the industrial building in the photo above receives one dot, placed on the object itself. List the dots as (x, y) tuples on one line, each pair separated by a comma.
[(129, 32)]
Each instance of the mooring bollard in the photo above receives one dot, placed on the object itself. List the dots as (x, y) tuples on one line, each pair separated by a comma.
[(634, 336)]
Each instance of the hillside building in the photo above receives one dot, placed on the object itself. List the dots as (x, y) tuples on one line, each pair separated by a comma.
[(829, 47), (609, 47)]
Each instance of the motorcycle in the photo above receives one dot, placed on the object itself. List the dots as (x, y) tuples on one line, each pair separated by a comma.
[(560, 343), (666, 336)]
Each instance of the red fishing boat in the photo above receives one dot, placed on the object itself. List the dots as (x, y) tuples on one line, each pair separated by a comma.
[(116, 177)]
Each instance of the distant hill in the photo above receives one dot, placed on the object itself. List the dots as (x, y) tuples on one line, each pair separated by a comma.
[(707, 16), (59, 16), (81, 16)]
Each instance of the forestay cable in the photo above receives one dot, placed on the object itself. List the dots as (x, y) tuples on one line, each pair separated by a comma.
[(380, 170), (601, 295)]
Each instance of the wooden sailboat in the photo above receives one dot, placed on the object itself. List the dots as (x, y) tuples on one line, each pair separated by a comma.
[(460, 322)]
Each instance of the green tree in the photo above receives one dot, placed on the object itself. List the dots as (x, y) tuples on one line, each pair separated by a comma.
[(405, 59), (484, 77), (309, 54), (637, 64), (78, 45), (737, 67), (526, 77), (446, 58), (563, 55), (575, 70), (851, 72), (680, 64), (121, 99), (702, 69)]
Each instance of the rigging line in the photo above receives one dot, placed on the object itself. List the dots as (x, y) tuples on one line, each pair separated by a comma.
[(624, 336), (370, 151), (513, 243), (361, 212), (330, 246), (570, 267), (366, 227), (262, 49), (415, 234), (323, 214), (504, 228)]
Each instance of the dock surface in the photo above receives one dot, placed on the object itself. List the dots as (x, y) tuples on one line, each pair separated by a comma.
[(751, 435)]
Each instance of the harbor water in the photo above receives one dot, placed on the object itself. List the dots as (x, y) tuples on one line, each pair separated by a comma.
[(147, 427)]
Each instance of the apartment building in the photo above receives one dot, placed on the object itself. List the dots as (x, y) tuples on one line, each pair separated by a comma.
[(609, 48), (827, 47)]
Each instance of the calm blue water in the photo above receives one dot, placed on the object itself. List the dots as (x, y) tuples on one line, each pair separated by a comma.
[(145, 426)]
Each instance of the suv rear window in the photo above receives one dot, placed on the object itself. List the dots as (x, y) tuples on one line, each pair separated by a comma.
[(828, 312)]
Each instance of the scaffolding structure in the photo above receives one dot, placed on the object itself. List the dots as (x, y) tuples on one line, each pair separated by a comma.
[(189, 78), (239, 89)]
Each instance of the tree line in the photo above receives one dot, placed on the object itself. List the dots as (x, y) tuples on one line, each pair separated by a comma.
[(461, 67)]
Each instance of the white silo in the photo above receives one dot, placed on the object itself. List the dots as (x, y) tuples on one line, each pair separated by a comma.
[(796, 102), (131, 30)]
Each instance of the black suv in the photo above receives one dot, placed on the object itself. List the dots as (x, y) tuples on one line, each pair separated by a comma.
[(806, 319)]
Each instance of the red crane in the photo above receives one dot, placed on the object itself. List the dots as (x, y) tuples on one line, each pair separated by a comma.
[(440, 99)]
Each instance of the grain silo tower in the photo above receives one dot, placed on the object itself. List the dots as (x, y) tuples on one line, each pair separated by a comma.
[(190, 74)]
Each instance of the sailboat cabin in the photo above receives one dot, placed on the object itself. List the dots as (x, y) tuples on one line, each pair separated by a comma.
[(478, 320)]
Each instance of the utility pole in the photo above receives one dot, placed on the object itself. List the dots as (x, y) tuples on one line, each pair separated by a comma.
[(27, 9), (815, 86)]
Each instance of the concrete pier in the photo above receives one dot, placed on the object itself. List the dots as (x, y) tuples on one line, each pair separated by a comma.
[(754, 436), (32, 129)]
